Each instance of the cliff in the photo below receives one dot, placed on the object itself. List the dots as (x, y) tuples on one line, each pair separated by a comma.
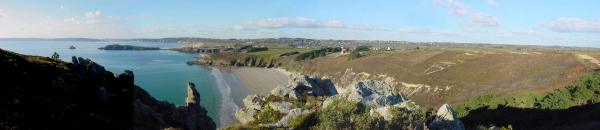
[(44, 93)]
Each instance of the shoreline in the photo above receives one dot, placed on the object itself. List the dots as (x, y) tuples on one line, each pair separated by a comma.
[(235, 83)]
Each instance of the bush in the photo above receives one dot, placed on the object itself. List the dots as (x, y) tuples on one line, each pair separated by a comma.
[(585, 90), (55, 56), (317, 53), (338, 114), (364, 121), (353, 55), (268, 115), (404, 119), (363, 48), (256, 49), (303, 121)]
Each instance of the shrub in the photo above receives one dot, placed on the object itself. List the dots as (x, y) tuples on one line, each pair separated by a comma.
[(303, 121), (317, 53), (353, 55), (256, 49), (55, 56), (364, 121), (363, 48), (404, 119), (337, 115), (268, 115)]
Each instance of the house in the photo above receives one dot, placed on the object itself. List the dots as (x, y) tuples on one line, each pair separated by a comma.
[(343, 50)]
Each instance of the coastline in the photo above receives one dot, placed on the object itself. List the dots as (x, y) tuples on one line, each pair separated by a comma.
[(235, 83)]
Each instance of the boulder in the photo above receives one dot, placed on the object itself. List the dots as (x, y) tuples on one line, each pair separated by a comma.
[(253, 101), (246, 115), (291, 115), (445, 119), (302, 84), (374, 93), (283, 106), (385, 111)]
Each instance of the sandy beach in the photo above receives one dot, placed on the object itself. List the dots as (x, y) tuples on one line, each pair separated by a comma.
[(260, 80)]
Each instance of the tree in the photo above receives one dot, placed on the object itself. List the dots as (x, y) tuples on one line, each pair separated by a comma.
[(55, 56)]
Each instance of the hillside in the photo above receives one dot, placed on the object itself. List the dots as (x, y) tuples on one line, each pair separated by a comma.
[(44, 93), (434, 76), (430, 76)]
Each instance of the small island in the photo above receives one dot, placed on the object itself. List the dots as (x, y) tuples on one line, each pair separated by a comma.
[(72, 47), (127, 47)]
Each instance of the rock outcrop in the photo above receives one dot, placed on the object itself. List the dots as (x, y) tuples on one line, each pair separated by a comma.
[(152, 114), (445, 119), (246, 115), (302, 92), (44, 93), (374, 93), (302, 84)]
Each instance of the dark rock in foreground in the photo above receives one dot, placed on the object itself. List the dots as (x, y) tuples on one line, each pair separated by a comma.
[(151, 114), (43, 93)]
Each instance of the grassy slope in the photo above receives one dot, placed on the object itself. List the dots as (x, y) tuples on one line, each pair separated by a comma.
[(473, 72)]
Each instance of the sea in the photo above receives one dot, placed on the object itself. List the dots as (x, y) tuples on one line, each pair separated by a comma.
[(163, 73)]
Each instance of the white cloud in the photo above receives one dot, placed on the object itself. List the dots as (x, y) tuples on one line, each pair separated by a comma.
[(456, 7), (94, 14), (2, 13), (94, 17), (298, 22), (485, 20), (564, 24)]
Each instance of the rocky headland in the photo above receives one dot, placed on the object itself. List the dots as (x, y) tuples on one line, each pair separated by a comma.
[(44, 93), (312, 102), (127, 47)]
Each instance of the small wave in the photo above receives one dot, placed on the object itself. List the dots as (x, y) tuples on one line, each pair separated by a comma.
[(227, 105)]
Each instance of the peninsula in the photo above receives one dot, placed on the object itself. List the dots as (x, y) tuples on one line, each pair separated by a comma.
[(127, 47)]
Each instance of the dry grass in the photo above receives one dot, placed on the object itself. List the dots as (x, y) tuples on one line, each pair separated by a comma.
[(467, 72)]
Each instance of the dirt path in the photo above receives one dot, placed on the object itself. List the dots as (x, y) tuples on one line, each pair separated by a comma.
[(589, 58)]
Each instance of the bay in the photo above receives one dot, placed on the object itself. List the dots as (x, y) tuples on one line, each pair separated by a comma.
[(163, 73)]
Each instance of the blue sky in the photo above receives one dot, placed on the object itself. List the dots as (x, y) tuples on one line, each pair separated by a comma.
[(540, 22)]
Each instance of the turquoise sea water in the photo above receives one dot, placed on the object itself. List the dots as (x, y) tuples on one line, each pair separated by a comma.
[(163, 73)]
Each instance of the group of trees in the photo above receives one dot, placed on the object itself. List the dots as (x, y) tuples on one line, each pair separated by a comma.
[(355, 54), (317, 53)]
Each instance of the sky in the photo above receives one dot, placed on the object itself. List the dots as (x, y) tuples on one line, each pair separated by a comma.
[(532, 22)]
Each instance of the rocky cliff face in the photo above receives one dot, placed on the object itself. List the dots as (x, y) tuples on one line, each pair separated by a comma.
[(43, 93)]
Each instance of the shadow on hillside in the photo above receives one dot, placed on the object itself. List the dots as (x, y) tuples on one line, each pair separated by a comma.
[(579, 117)]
